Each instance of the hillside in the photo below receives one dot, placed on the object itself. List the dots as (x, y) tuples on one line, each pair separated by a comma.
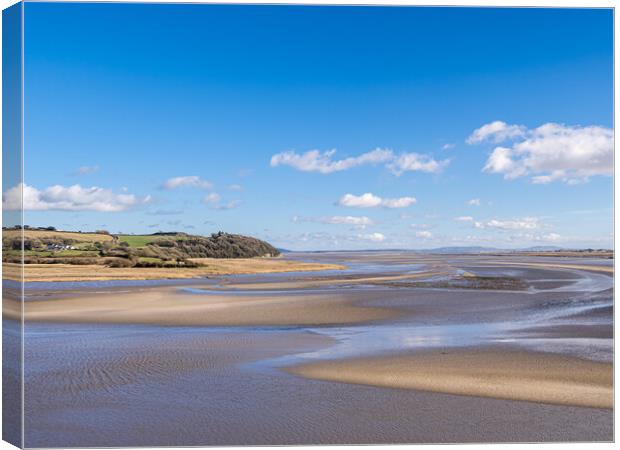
[(48, 246)]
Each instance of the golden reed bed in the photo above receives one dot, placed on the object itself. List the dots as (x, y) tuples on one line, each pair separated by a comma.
[(209, 266)]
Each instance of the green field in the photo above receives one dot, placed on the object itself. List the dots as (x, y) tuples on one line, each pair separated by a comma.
[(136, 240), (173, 249), (147, 259), (141, 240), (85, 253), (28, 253), (51, 254)]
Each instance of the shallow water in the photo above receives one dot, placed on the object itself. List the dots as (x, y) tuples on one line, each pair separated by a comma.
[(585, 293), (352, 268), (123, 386)]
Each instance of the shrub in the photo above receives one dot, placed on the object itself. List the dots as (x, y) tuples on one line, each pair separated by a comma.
[(119, 262)]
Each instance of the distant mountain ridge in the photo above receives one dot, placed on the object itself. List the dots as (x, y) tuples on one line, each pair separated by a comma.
[(463, 250), (475, 249)]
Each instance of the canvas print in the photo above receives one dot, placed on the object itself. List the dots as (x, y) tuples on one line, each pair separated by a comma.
[(306, 225)]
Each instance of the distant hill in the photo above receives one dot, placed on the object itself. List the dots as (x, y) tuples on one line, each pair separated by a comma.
[(48, 246), (462, 250), (217, 245), (547, 249), (542, 248), (474, 249)]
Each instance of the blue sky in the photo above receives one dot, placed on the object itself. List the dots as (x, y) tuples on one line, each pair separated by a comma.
[(198, 118)]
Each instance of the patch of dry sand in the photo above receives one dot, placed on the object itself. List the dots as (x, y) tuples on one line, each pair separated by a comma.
[(510, 374), (167, 306)]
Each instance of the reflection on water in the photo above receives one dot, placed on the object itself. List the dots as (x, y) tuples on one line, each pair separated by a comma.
[(220, 290), (99, 284), (381, 339), (586, 293)]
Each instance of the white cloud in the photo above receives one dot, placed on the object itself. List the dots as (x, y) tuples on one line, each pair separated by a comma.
[(213, 200), (356, 221), (552, 237), (525, 223), (516, 224), (497, 131), (213, 197), (501, 161), (190, 181), (534, 238), (235, 187), (555, 152), (85, 170), (323, 162), (165, 212), (424, 235), (518, 240), (369, 200), (474, 202), (421, 226), (373, 237), (409, 162), (366, 200), (226, 206), (322, 239), (360, 221), (401, 202), (447, 146), (71, 198)]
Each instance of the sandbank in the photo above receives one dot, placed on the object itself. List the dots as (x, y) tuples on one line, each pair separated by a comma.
[(502, 374)]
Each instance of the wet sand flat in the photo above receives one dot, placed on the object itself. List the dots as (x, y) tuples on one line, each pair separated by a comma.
[(146, 386), (325, 358)]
